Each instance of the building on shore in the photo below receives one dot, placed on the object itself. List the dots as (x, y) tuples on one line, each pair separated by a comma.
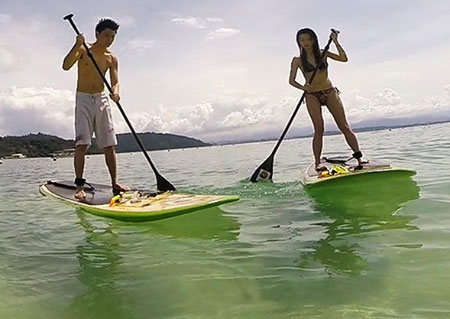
[(67, 152), (16, 156)]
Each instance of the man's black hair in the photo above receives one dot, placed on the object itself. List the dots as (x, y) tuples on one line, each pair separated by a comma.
[(106, 24)]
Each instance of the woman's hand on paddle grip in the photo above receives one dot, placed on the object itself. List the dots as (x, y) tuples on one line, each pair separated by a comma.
[(334, 37), (307, 87)]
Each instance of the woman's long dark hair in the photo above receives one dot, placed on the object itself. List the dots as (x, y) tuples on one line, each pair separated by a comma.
[(308, 67)]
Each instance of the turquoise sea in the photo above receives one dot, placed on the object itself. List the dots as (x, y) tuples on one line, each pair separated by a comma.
[(280, 252)]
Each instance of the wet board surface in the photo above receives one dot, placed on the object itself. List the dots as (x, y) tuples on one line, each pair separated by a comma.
[(135, 205), (345, 172)]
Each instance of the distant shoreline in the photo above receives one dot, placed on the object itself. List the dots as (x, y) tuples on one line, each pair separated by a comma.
[(330, 133), (43, 145)]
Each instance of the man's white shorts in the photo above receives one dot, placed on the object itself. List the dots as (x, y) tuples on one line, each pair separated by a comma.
[(93, 114)]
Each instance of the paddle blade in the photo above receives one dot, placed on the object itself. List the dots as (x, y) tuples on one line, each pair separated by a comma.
[(264, 172), (163, 185)]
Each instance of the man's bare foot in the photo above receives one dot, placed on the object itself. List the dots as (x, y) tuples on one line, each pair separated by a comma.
[(80, 194), (117, 188), (320, 167)]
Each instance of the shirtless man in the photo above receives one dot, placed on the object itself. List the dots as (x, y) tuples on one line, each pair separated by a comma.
[(92, 109)]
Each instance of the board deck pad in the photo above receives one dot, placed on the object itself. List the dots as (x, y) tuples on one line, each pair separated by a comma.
[(133, 205), (99, 195), (338, 171)]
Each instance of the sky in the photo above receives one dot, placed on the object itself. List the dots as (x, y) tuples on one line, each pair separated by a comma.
[(218, 70)]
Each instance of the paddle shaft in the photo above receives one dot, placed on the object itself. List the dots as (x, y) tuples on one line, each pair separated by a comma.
[(160, 179)]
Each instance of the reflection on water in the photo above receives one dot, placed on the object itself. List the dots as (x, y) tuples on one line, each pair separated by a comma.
[(209, 223), (360, 256), (111, 246), (365, 205), (99, 258)]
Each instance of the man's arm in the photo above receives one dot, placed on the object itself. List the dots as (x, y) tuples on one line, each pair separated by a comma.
[(74, 54), (114, 76)]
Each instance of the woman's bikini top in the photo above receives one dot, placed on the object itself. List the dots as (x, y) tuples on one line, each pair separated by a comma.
[(309, 68)]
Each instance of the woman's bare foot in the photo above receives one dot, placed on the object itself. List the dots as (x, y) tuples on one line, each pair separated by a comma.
[(359, 157), (80, 194), (117, 188), (362, 161)]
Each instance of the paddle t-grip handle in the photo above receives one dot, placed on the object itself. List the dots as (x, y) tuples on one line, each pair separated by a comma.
[(69, 18), (332, 30)]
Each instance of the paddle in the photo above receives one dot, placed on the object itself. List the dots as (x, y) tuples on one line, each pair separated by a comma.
[(163, 184), (265, 170)]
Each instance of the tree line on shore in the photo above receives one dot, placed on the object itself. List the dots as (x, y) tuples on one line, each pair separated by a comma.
[(44, 145)]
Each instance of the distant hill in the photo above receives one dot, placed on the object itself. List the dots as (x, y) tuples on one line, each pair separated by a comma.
[(33, 145), (156, 141), (42, 145)]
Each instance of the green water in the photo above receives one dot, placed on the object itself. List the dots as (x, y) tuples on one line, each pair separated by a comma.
[(379, 250)]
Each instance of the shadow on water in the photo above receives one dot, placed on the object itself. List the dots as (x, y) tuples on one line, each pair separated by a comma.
[(365, 205)]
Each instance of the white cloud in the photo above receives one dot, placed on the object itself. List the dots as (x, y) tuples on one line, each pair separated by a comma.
[(441, 102), (387, 97), (8, 60), (241, 118), (4, 17), (188, 119), (214, 20), (197, 22), (19, 64), (30, 109), (182, 71), (141, 45), (11, 57), (234, 117), (388, 104), (207, 23), (207, 118), (221, 33), (190, 22), (447, 91), (126, 20)]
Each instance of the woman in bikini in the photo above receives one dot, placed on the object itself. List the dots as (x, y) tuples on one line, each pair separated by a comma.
[(321, 91)]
